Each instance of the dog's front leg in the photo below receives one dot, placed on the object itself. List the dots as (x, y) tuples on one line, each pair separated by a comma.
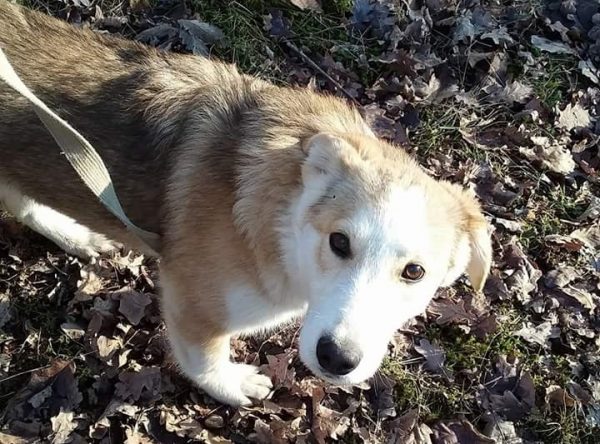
[(209, 366), (199, 331)]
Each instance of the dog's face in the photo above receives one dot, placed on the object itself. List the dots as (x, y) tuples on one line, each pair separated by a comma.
[(373, 239)]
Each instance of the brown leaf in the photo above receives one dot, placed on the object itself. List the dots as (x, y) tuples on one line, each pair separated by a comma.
[(133, 436), (584, 297), (557, 397), (455, 432), (133, 305), (381, 396), (539, 334), (449, 311), (144, 385), (407, 430), (330, 423), (433, 354), (53, 388), (522, 274), (279, 370), (72, 330), (503, 432), (265, 434), (90, 284)]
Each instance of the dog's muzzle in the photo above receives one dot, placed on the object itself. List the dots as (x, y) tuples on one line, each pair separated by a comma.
[(337, 358)]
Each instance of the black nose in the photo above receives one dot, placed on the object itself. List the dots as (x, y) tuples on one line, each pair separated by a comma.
[(337, 359)]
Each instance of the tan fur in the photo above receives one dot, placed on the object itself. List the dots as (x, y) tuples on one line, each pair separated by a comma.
[(205, 156)]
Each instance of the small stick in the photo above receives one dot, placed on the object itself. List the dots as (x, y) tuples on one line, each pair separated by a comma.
[(308, 60)]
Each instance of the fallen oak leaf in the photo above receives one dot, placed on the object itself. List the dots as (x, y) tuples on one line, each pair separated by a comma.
[(433, 354), (106, 347), (328, 423), (522, 274), (552, 156), (63, 425), (501, 431), (196, 35), (72, 330), (539, 334), (573, 117), (381, 397), (461, 431), (132, 305), (144, 384), (449, 311)]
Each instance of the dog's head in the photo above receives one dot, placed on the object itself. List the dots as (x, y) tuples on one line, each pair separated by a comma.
[(373, 238)]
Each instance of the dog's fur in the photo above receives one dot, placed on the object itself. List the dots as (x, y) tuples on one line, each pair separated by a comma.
[(244, 181)]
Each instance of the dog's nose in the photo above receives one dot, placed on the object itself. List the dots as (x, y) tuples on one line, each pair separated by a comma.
[(337, 359)]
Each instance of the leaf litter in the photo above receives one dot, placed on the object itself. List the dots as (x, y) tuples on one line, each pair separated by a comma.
[(476, 91)]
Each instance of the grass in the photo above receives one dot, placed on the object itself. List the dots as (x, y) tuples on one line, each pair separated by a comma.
[(553, 84), (468, 359), (38, 312), (314, 33)]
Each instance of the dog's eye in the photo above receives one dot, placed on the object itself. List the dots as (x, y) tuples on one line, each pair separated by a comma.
[(413, 272), (340, 245)]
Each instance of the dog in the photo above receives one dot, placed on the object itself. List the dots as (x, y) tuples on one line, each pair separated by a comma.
[(272, 203)]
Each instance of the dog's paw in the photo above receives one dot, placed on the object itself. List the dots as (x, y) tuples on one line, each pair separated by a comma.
[(237, 385), (255, 385), (86, 244)]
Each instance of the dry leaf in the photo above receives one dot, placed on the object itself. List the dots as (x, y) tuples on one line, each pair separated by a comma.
[(63, 425), (4, 309), (544, 44), (573, 117), (314, 5), (454, 432), (539, 334), (133, 304), (433, 354)]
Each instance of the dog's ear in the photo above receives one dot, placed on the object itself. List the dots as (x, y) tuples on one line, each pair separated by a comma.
[(480, 259), (327, 154), (476, 243)]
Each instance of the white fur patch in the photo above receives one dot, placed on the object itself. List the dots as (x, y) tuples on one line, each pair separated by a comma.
[(211, 369), (69, 235), (364, 300), (249, 312)]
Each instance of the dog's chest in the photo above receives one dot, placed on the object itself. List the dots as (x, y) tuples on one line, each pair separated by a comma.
[(250, 310)]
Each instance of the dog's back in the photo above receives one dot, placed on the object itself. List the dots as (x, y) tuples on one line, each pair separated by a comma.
[(129, 100)]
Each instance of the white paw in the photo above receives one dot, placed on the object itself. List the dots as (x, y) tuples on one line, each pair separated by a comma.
[(237, 385)]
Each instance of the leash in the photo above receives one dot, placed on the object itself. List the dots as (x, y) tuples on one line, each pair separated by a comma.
[(80, 154)]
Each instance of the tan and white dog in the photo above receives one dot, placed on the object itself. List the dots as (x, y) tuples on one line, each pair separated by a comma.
[(272, 203)]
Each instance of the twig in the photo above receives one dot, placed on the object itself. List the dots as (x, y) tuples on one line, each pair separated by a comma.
[(308, 60), (16, 375)]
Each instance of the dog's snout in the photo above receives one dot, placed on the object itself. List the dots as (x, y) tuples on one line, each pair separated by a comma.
[(337, 359)]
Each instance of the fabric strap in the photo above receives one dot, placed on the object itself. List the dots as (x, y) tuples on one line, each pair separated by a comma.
[(79, 152)]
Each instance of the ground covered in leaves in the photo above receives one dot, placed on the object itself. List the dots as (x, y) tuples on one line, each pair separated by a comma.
[(502, 97)]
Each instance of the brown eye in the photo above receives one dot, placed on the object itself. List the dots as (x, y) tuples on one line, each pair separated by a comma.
[(340, 245), (413, 272)]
